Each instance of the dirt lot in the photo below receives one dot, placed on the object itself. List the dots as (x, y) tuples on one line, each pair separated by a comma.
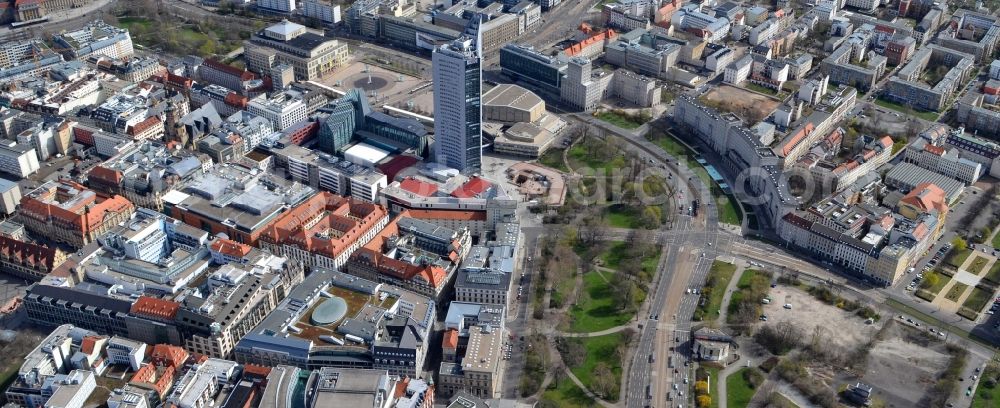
[(901, 370), (744, 103), (808, 312)]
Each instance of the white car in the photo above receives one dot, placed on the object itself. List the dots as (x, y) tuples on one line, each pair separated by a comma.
[(788, 306)]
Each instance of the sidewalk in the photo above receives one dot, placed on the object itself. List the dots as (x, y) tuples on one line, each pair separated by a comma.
[(721, 382), (730, 288)]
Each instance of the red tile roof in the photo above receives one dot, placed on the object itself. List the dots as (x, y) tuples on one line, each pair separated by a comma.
[(797, 138), (599, 37), (104, 174), (169, 355), (373, 255), (886, 142), (450, 340), (393, 167), (926, 196), (231, 248), (87, 345), (178, 81), (236, 100), (935, 150), (472, 188), (155, 308), (256, 370), (418, 187), (401, 385), (140, 127), (29, 254), (348, 219), (242, 74)]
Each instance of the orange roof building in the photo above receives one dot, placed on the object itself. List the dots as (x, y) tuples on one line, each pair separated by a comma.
[(67, 212), (472, 188), (423, 264), (449, 346), (924, 198), (150, 128), (27, 260), (327, 226), (592, 45), (797, 139), (156, 378), (226, 250), (155, 309), (169, 355)]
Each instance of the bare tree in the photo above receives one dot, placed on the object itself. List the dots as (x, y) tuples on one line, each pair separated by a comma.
[(604, 383)]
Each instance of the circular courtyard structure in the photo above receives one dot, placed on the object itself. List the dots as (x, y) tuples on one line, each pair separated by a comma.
[(329, 312)]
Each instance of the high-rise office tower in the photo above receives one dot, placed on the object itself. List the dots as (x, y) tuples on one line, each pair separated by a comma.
[(458, 113)]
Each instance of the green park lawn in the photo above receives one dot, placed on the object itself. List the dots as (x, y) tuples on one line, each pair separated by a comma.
[(738, 390), (613, 256), (929, 116), (597, 311), (580, 157), (599, 349), (978, 299), (935, 289), (714, 290), (619, 120), (977, 265), (987, 397), (994, 274), (761, 89), (567, 395), (956, 291), (553, 158), (623, 216), (957, 257), (729, 212)]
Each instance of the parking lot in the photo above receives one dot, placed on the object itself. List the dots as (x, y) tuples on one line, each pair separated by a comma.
[(843, 328)]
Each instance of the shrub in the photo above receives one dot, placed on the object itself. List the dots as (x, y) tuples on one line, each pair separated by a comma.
[(769, 364), (704, 401), (753, 376), (701, 387)]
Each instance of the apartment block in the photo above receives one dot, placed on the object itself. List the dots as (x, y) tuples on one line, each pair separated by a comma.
[(972, 33), (908, 88), (850, 65), (943, 159)]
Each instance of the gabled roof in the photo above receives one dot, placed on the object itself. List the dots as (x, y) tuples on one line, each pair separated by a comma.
[(143, 126), (155, 308), (472, 188), (418, 187), (231, 248), (926, 197)]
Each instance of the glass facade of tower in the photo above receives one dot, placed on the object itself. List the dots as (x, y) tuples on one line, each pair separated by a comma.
[(458, 141), (474, 117), (525, 64), (346, 117)]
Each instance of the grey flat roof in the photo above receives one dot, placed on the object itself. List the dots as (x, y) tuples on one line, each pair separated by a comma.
[(7, 185)]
